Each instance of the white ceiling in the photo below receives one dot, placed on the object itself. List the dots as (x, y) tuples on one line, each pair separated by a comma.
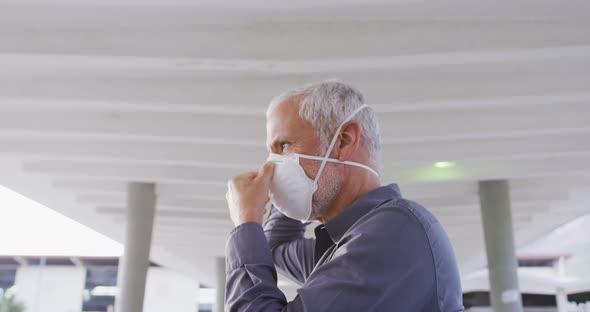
[(94, 94)]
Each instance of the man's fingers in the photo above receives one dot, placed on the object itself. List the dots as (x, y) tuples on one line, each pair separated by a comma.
[(247, 176)]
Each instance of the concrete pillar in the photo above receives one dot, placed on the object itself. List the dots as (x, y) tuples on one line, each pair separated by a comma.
[(220, 291), (133, 265), (502, 264)]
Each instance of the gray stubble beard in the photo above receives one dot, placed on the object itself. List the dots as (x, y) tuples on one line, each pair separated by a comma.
[(329, 187)]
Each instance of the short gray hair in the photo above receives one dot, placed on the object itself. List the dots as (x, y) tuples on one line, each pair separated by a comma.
[(326, 104)]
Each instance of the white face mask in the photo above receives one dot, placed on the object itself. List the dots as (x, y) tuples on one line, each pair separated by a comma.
[(291, 190)]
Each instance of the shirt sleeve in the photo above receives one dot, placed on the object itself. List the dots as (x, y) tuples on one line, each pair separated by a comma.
[(291, 252), (251, 276)]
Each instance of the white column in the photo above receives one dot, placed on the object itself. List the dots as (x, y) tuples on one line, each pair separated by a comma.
[(133, 265), (220, 291), (502, 264)]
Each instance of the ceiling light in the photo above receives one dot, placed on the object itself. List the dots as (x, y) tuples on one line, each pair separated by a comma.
[(444, 164)]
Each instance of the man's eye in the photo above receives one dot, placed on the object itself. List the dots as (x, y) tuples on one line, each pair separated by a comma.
[(284, 145)]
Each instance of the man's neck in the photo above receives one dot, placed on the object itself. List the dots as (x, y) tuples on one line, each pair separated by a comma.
[(351, 190)]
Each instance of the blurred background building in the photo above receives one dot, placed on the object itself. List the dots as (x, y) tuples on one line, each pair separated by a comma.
[(129, 116)]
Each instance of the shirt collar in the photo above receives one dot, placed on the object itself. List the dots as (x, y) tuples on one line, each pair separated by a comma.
[(338, 225)]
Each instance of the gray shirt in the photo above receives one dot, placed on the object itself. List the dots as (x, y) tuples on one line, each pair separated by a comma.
[(383, 253)]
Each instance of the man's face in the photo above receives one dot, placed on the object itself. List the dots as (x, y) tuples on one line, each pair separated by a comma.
[(288, 133)]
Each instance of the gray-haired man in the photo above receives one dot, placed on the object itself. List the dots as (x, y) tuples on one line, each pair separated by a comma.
[(374, 251)]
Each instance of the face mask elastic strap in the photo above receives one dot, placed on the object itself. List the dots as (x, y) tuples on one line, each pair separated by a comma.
[(332, 160), (326, 157)]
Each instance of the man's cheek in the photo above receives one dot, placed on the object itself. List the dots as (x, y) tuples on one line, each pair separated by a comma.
[(310, 167)]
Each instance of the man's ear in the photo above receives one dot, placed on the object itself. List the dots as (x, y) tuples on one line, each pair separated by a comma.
[(349, 140)]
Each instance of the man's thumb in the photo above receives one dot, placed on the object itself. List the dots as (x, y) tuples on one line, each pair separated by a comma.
[(266, 172)]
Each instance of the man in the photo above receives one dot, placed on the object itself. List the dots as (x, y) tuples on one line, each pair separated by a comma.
[(374, 250)]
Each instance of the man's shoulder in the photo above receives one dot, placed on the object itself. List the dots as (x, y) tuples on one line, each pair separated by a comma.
[(396, 210), (385, 223)]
